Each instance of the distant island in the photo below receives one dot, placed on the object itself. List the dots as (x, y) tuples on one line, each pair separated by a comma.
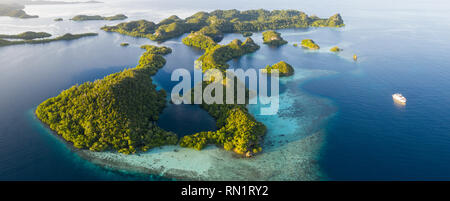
[(283, 68), (226, 21), (29, 35), (273, 38), (64, 37), (15, 10), (336, 49), (309, 44), (98, 17)]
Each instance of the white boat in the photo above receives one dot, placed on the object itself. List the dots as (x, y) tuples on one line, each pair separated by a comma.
[(399, 98)]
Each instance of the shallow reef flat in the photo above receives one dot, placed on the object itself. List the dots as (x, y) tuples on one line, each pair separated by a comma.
[(291, 147)]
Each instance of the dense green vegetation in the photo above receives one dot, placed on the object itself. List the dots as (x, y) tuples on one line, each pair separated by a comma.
[(238, 130), (225, 21), (66, 37), (218, 56), (157, 50), (29, 35), (124, 44), (117, 112), (199, 40), (13, 10), (273, 38), (335, 49), (283, 68), (310, 44), (98, 17)]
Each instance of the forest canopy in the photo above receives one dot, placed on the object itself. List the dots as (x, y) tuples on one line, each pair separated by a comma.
[(283, 68), (310, 44), (225, 21), (29, 35), (117, 112), (273, 38)]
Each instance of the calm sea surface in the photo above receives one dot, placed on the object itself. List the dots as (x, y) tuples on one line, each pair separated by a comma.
[(402, 47)]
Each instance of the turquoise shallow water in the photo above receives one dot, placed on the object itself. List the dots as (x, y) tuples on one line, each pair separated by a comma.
[(401, 46)]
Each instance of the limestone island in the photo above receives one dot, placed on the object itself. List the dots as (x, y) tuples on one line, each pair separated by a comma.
[(65, 37), (119, 112), (283, 68), (226, 21), (273, 38), (336, 49), (15, 10), (29, 35), (309, 44), (98, 17), (124, 44), (58, 19)]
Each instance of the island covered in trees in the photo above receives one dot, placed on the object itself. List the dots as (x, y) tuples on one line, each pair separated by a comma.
[(28, 38), (273, 38), (310, 44), (119, 112), (225, 21), (284, 69), (98, 17), (29, 35)]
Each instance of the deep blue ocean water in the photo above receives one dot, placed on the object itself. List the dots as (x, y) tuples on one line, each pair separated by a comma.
[(402, 47)]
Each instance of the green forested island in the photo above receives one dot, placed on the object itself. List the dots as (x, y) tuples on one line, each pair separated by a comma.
[(58, 19), (336, 49), (118, 112), (238, 129), (217, 56), (98, 17), (29, 35), (67, 36), (309, 44), (226, 21), (15, 10), (273, 38), (283, 68)]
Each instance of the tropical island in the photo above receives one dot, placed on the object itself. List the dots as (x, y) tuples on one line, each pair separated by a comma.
[(309, 44), (65, 37), (58, 19), (15, 10), (284, 69), (273, 38), (226, 21), (29, 35), (98, 17), (117, 112), (336, 49)]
